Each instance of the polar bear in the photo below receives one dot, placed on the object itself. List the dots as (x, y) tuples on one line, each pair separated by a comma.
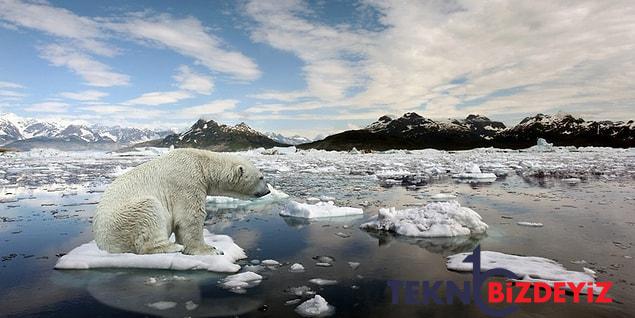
[(141, 209)]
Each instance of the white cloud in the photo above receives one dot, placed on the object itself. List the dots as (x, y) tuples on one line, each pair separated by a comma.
[(10, 94), (48, 107), (159, 98), (59, 22), (329, 52), (10, 85), (214, 107), (88, 95), (189, 37), (93, 72), (447, 59), (290, 96), (191, 81)]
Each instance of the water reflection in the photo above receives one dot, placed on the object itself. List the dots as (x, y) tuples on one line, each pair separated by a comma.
[(160, 293), (437, 245)]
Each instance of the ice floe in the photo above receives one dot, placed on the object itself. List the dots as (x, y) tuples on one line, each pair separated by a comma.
[(473, 172), (238, 283), (318, 210), (89, 256), (442, 197), (530, 224), (300, 291), (270, 262), (162, 305), (322, 281), (529, 268), (228, 202), (296, 268), (315, 307), (437, 219)]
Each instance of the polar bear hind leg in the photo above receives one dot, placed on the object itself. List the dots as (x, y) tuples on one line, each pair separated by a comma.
[(146, 221)]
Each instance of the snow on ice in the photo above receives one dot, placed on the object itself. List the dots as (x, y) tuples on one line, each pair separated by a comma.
[(529, 268), (318, 210), (437, 219), (89, 256)]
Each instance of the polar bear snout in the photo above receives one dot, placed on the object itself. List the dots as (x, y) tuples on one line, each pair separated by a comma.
[(263, 193)]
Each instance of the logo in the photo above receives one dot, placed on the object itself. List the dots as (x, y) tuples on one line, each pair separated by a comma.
[(513, 292)]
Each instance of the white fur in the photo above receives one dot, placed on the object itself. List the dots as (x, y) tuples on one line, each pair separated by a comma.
[(143, 207)]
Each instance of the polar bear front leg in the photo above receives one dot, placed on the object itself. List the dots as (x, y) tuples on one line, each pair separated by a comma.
[(189, 232)]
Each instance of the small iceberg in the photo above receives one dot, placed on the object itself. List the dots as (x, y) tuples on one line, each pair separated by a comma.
[(318, 210), (296, 268), (529, 268), (473, 172), (315, 307), (541, 146), (237, 283), (89, 256), (437, 219)]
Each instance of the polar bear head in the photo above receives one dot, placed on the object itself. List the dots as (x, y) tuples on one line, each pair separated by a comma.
[(243, 180)]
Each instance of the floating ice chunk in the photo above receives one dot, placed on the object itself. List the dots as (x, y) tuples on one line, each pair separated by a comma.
[(322, 281), (88, 256), (237, 283), (292, 301), (541, 146), (270, 262), (279, 151), (318, 210), (354, 151), (529, 268), (353, 265), (326, 198), (301, 291), (162, 305), (253, 268), (442, 197), (474, 172), (190, 305), (571, 180), (296, 268), (315, 307), (438, 219), (530, 224), (274, 195)]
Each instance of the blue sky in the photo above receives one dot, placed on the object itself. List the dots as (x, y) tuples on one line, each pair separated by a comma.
[(316, 67)]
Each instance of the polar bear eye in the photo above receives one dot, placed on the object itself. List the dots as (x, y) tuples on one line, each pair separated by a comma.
[(261, 178)]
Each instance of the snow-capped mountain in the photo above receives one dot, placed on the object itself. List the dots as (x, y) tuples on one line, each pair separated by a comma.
[(412, 131), (219, 137), (293, 140), (564, 129), (25, 133)]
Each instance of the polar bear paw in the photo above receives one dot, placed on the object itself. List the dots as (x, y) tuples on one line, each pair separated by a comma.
[(165, 248), (202, 250)]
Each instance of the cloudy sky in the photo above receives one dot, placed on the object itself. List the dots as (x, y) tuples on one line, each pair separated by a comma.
[(314, 67)]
